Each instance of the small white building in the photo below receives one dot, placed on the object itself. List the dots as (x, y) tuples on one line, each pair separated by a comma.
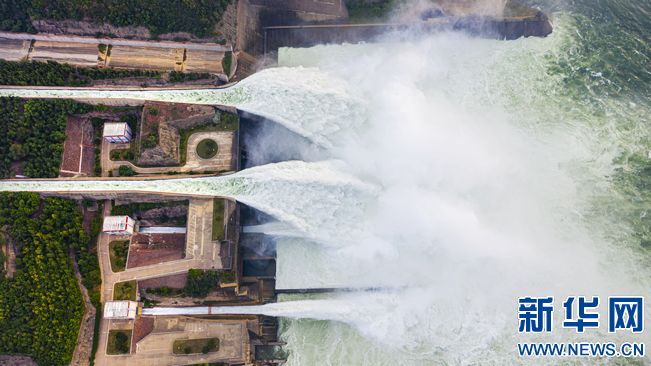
[(120, 310), (118, 225), (117, 132)]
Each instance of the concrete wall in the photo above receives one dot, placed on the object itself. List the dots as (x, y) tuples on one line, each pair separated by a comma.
[(124, 53), (310, 35), (283, 11), (251, 16)]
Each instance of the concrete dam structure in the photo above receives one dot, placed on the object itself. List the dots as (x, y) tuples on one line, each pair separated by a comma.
[(307, 35), (311, 23)]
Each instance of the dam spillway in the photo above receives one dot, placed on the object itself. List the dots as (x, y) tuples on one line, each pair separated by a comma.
[(480, 175), (269, 94), (323, 189)]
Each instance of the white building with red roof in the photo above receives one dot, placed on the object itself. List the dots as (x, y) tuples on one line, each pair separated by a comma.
[(118, 225), (120, 310)]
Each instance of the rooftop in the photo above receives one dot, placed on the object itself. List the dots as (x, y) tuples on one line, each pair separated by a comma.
[(116, 223), (114, 128), (120, 309)]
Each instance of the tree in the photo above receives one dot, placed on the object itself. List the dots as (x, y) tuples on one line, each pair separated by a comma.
[(122, 342), (33, 131), (126, 171), (17, 151), (200, 282), (43, 299)]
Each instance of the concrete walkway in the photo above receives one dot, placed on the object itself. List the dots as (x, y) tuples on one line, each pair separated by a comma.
[(222, 162), (156, 348), (201, 252)]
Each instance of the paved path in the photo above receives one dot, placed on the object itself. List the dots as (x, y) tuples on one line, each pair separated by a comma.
[(156, 348), (201, 252), (223, 161)]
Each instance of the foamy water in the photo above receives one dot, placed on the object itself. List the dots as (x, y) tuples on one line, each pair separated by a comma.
[(463, 173)]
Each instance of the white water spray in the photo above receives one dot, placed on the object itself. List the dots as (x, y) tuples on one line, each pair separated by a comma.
[(324, 189), (479, 190), (269, 93)]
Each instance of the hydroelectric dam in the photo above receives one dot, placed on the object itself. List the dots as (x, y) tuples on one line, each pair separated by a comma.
[(465, 172)]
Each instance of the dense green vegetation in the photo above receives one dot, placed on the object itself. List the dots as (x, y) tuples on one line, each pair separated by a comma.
[(119, 342), (126, 171), (88, 262), (55, 74), (159, 16), (192, 346), (125, 291), (118, 250), (14, 16), (227, 276), (201, 282), (33, 131), (165, 291), (137, 208), (180, 77), (41, 306)]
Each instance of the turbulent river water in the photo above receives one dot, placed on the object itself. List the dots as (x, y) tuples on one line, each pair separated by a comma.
[(461, 172)]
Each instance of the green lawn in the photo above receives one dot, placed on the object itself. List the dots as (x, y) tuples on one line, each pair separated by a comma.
[(119, 342), (118, 250), (218, 219), (125, 291), (207, 149), (191, 346)]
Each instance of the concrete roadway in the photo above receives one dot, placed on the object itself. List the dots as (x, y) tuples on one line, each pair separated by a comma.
[(201, 252)]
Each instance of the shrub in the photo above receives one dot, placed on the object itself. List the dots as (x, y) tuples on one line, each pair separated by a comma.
[(179, 77), (52, 73), (201, 282), (126, 171)]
